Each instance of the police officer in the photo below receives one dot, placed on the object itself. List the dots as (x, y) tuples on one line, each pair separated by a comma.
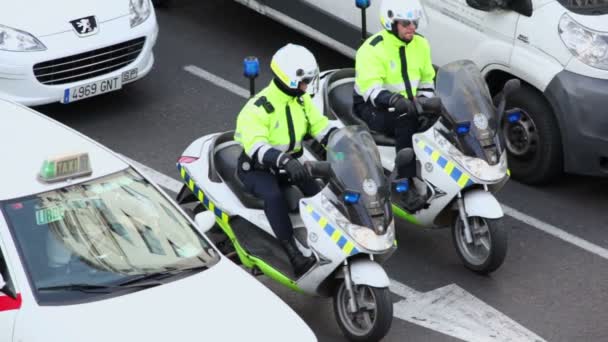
[(270, 128), (392, 68)]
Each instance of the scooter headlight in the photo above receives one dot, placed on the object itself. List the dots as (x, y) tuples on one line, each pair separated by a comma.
[(368, 239), (590, 47), (363, 236), (480, 169)]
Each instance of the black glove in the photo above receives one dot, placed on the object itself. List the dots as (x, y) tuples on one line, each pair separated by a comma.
[(402, 105), (297, 173)]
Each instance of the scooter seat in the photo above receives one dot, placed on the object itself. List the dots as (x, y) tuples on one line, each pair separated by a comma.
[(340, 90), (227, 152), (226, 160)]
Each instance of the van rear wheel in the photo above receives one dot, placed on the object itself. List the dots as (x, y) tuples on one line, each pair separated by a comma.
[(534, 143)]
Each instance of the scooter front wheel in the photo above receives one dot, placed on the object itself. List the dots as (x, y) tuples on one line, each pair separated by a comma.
[(488, 249), (374, 315)]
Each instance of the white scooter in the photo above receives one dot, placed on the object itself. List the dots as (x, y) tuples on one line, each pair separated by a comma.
[(348, 226), (460, 157)]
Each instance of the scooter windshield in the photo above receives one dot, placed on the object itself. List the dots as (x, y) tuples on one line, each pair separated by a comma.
[(466, 98), (355, 161)]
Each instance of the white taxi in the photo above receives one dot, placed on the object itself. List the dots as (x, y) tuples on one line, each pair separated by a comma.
[(91, 250), (68, 51)]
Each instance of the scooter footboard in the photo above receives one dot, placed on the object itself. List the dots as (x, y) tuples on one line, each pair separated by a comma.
[(480, 203), (367, 272)]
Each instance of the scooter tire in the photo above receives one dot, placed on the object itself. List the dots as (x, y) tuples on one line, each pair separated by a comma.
[(498, 246), (382, 318)]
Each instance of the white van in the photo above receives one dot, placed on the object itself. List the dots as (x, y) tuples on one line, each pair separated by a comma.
[(559, 48), (91, 250)]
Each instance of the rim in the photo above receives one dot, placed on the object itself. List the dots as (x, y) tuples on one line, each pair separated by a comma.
[(361, 322), (477, 252), (521, 137)]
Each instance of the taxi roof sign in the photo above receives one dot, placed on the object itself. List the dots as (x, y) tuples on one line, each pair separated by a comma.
[(66, 166)]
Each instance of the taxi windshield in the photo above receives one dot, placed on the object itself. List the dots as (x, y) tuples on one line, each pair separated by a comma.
[(102, 233)]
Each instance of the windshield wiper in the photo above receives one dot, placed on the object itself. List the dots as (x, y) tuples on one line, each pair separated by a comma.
[(80, 287), (166, 273)]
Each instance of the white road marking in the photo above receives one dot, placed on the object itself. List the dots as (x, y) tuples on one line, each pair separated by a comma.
[(240, 91), (529, 220), (453, 311), (556, 232), (449, 310)]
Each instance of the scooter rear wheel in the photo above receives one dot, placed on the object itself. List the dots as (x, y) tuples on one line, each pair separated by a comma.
[(373, 319), (489, 247)]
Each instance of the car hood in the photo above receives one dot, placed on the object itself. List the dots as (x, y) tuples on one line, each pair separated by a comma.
[(223, 303), (42, 18)]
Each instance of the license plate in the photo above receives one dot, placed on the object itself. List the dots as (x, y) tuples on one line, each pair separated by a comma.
[(97, 88)]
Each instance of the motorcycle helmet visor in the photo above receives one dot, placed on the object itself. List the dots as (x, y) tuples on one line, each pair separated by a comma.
[(408, 22)]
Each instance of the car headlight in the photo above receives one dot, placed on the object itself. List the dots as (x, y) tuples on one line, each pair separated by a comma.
[(139, 11), (16, 40), (590, 47)]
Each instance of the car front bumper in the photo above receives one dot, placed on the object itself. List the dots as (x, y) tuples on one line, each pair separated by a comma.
[(19, 83), (581, 106)]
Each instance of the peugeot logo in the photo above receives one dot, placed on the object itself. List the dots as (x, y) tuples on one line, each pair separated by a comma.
[(85, 26)]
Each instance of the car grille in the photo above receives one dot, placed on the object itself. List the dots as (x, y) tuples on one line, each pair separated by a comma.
[(88, 64)]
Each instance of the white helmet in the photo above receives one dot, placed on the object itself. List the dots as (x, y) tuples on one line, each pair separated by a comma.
[(392, 10), (293, 64)]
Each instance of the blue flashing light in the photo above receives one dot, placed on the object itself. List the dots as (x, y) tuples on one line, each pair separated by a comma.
[(514, 117), (402, 186), (463, 128), (251, 67), (362, 3), (351, 197)]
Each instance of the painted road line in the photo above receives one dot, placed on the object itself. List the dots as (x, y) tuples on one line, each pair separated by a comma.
[(529, 220), (453, 311), (220, 82), (450, 310)]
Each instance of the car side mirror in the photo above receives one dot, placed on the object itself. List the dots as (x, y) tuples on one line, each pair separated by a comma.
[(204, 221), (523, 7)]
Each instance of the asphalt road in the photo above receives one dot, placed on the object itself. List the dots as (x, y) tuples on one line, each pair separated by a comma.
[(548, 285)]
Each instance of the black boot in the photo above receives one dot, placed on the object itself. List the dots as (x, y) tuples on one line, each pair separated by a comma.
[(412, 201), (300, 263)]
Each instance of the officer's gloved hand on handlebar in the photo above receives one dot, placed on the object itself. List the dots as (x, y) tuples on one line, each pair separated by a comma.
[(296, 171), (402, 105)]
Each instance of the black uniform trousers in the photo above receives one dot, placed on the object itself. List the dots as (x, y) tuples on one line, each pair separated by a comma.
[(401, 127), (269, 187)]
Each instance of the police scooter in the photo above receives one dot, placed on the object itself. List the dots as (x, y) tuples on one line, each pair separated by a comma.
[(461, 159), (348, 226)]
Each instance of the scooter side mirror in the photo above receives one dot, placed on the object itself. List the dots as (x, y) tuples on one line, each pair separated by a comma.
[(404, 157), (318, 169), (430, 105), (509, 87), (204, 221)]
